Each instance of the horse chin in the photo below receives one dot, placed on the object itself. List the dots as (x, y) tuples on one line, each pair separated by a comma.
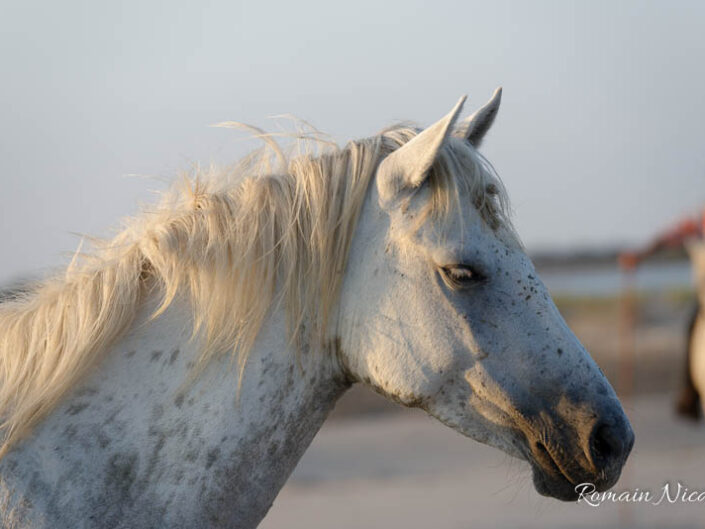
[(553, 485)]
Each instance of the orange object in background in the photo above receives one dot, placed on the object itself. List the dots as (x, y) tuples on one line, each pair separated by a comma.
[(688, 228)]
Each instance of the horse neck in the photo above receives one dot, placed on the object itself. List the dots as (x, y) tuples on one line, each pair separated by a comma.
[(129, 445)]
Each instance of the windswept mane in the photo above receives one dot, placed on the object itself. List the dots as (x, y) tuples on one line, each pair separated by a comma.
[(273, 229)]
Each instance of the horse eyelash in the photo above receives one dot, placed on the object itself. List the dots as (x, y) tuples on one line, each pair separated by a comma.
[(456, 283)]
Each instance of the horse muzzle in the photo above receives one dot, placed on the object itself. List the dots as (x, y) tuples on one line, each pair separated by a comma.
[(598, 459)]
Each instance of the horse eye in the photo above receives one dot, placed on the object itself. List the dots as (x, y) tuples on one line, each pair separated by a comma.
[(459, 275)]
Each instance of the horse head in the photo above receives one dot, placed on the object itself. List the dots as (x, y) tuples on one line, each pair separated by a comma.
[(442, 309)]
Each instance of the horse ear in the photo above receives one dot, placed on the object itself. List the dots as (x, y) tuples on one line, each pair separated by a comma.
[(404, 170), (476, 126)]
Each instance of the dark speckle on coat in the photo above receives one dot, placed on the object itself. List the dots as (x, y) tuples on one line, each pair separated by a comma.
[(173, 356), (76, 408), (70, 431), (121, 473), (212, 457), (117, 494)]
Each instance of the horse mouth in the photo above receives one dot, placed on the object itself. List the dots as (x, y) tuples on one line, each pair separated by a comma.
[(549, 477), (560, 477)]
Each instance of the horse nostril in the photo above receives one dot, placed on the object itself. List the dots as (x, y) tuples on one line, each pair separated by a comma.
[(610, 444), (603, 443)]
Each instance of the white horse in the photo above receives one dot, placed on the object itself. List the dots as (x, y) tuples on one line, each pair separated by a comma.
[(175, 378)]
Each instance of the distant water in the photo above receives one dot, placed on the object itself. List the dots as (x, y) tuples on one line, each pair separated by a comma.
[(602, 280)]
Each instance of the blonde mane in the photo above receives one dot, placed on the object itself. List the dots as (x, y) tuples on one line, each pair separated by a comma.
[(273, 229)]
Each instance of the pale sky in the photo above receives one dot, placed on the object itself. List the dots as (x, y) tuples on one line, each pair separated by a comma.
[(599, 139)]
